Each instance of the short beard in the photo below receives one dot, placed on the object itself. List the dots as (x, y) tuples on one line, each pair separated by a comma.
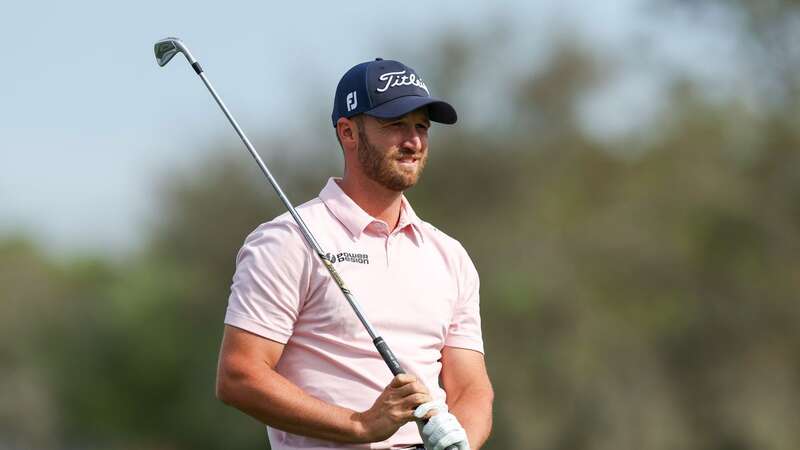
[(378, 167)]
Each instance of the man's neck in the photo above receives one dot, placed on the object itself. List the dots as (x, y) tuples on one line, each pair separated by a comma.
[(376, 200)]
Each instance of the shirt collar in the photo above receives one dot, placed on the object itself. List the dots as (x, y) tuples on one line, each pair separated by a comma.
[(356, 219), (408, 218)]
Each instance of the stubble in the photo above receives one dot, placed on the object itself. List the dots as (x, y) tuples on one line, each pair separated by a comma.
[(382, 167)]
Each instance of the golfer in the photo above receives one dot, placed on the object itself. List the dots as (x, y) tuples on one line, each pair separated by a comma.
[(295, 356)]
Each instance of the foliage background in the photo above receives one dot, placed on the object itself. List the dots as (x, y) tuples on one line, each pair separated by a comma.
[(639, 288)]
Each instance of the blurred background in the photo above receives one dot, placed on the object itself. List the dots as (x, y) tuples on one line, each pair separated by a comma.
[(624, 174)]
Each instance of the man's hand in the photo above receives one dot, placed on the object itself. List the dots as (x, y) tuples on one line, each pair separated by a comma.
[(393, 408), (442, 430)]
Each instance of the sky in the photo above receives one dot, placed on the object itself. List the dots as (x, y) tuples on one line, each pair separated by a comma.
[(89, 121)]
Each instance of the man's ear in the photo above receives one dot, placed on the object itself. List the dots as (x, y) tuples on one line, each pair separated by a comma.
[(347, 131)]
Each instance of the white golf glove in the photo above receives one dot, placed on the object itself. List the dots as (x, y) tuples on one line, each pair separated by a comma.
[(442, 432)]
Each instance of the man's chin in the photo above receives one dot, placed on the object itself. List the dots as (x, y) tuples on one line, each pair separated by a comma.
[(401, 184), (409, 175)]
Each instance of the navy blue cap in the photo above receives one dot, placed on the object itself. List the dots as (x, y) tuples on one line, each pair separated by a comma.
[(386, 89)]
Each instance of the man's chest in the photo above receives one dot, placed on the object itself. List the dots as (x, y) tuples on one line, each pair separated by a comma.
[(404, 288)]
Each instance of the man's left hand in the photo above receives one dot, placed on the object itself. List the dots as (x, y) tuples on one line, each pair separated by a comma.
[(442, 430)]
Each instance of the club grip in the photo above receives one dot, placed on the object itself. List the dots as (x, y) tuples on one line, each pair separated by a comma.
[(388, 356), (394, 366)]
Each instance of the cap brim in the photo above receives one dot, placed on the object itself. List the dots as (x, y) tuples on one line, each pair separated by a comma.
[(438, 110)]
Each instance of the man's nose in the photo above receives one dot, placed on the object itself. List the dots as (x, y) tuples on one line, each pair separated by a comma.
[(413, 140)]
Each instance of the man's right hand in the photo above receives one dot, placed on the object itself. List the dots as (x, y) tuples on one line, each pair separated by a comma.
[(393, 408)]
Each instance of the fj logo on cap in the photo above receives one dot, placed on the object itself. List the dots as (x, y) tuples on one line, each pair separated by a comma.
[(393, 79), (352, 101)]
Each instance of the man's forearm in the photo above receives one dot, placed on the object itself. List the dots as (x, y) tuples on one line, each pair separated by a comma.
[(279, 403), (473, 408)]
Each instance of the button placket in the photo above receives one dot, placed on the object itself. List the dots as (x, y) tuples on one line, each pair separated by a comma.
[(383, 230), (394, 236), (388, 247)]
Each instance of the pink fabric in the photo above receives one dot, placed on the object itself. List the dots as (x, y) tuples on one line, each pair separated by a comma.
[(417, 287)]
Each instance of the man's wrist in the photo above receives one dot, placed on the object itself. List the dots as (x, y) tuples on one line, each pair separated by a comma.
[(359, 428)]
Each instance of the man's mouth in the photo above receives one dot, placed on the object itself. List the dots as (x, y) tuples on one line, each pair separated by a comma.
[(408, 161)]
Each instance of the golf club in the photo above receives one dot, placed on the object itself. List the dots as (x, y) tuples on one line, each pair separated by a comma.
[(165, 49)]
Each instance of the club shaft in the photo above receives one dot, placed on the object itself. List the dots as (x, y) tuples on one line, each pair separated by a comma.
[(377, 340), (303, 228)]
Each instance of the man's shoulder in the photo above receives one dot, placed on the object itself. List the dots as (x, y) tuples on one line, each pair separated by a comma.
[(284, 228), (450, 250), (440, 238), (313, 209)]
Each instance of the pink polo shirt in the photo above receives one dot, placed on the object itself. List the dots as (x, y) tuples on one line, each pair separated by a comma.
[(416, 285)]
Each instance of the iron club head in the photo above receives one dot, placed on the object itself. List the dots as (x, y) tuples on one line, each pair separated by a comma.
[(166, 48)]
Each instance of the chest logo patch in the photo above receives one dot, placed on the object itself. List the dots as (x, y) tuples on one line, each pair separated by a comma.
[(358, 258)]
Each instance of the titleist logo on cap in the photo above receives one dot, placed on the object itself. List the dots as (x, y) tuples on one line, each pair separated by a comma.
[(386, 89), (393, 79)]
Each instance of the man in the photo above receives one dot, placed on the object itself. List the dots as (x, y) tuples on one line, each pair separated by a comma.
[(294, 355)]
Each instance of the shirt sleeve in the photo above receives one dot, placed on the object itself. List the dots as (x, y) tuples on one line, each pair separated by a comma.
[(271, 279), (465, 327)]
